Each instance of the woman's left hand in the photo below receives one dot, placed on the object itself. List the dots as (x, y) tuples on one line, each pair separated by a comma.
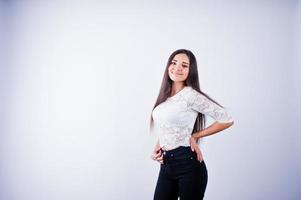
[(194, 147)]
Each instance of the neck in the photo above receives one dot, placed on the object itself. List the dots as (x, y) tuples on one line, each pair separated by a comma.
[(176, 87)]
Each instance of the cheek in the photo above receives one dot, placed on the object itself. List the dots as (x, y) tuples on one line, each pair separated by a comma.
[(169, 69), (186, 72)]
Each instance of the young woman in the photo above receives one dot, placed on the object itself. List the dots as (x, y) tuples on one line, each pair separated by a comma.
[(178, 117)]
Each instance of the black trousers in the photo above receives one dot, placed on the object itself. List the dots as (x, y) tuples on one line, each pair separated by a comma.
[(181, 175)]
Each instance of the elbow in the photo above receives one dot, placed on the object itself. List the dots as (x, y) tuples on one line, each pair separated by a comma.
[(229, 124)]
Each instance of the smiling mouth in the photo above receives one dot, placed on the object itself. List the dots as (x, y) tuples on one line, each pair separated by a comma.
[(177, 74)]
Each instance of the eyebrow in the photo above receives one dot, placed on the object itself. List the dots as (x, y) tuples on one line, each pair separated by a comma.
[(177, 61)]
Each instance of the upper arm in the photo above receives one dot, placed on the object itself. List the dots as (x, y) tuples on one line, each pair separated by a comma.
[(202, 104)]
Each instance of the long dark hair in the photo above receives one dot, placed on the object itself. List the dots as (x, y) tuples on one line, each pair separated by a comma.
[(192, 81)]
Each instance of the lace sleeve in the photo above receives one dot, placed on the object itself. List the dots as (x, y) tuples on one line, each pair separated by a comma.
[(202, 104)]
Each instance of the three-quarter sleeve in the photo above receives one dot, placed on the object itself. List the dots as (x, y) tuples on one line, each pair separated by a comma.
[(202, 104)]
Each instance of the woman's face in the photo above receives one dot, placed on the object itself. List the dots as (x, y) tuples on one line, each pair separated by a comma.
[(179, 68)]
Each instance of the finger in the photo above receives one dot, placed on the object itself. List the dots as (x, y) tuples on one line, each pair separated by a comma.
[(192, 147), (158, 155), (160, 158), (154, 156), (200, 156)]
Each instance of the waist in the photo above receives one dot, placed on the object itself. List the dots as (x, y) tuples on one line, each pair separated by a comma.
[(177, 151)]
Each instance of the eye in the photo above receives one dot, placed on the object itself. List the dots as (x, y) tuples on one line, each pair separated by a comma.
[(185, 66), (173, 63)]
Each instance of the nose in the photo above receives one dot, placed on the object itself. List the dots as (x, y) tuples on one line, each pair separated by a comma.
[(178, 67)]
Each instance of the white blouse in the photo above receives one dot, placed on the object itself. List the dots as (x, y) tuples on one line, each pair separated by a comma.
[(174, 118)]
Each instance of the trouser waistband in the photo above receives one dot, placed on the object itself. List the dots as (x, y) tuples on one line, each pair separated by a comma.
[(177, 151)]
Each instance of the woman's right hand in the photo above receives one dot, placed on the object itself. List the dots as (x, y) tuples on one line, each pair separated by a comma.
[(194, 147), (157, 155)]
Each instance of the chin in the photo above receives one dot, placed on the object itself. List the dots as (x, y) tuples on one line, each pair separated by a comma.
[(178, 80)]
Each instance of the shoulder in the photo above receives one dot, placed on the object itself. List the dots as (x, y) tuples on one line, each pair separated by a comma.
[(192, 94)]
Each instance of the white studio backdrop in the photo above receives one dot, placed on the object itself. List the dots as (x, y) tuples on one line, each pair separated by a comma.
[(79, 80)]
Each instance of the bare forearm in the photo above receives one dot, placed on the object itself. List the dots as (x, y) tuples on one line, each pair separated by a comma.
[(212, 129)]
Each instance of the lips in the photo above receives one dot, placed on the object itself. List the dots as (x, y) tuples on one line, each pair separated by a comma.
[(177, 74)]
